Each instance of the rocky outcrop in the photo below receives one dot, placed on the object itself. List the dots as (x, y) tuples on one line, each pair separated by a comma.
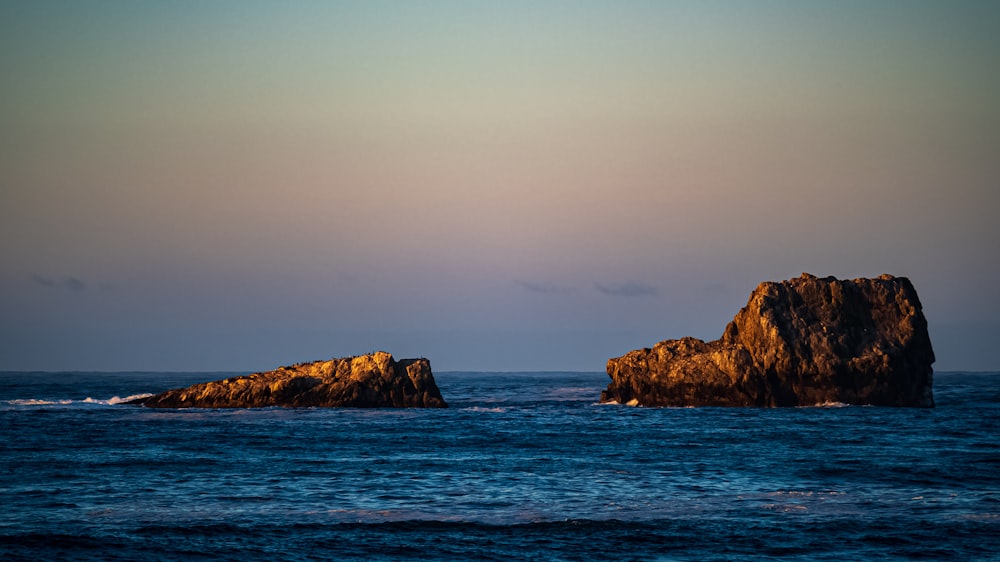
[(801, 342), (367, 381)]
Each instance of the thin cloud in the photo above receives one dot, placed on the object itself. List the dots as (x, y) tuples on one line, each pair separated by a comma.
[(43, 281), (69, 283), (74, 284), (627, 289), (544, 288)]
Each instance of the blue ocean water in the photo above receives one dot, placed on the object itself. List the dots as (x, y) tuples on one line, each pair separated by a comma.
[(522, 466)]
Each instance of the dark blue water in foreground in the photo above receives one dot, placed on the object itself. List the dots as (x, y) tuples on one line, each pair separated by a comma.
[(522, 466)]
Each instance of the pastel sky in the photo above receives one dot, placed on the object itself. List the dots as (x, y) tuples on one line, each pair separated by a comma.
[(517, 185)]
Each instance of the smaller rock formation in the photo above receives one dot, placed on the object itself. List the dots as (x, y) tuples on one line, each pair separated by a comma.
[(375, 380), (801, 342)]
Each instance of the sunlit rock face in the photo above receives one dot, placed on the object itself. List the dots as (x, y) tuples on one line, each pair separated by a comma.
[(375, 380), (801, 342)]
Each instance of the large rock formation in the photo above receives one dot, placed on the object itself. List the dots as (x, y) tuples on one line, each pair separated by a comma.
[(801, 342), (367, 381)]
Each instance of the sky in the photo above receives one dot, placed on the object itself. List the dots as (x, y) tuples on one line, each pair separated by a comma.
[(497, 186)]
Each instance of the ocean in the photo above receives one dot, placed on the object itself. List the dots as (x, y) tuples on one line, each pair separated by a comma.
[(522, 466)]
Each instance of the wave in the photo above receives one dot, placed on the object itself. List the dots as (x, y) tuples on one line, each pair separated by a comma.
[(782, 536), (633, 403), (829, 404), (495, 410), (37, 402), (88, 400)]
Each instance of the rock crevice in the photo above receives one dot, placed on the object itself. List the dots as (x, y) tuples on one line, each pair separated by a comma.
[(800, 342)]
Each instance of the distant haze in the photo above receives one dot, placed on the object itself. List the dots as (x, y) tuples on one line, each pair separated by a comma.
[(493, 185)]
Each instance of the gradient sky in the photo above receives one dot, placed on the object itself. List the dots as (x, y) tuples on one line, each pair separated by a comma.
[(236, 185)]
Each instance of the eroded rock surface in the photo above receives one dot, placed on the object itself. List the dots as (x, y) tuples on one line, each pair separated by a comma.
[(367, 381), (801, 342)]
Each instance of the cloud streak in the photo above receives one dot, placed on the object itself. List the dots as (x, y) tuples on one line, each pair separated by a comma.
[(43, 281), (627, 289), (69, 283)]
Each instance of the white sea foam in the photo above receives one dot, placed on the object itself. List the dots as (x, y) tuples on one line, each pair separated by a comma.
[(633, 403), (481, 409), (37, 402), (831, 404), (118, 400), (88, 400)]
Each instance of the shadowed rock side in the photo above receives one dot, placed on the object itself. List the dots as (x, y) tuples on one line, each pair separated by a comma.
[(801, 342), (367, 381)]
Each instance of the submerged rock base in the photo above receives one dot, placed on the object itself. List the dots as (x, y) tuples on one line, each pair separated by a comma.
[(801, 342), (375, 380)]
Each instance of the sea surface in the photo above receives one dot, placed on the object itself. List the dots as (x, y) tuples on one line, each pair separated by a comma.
[(522, 466)]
